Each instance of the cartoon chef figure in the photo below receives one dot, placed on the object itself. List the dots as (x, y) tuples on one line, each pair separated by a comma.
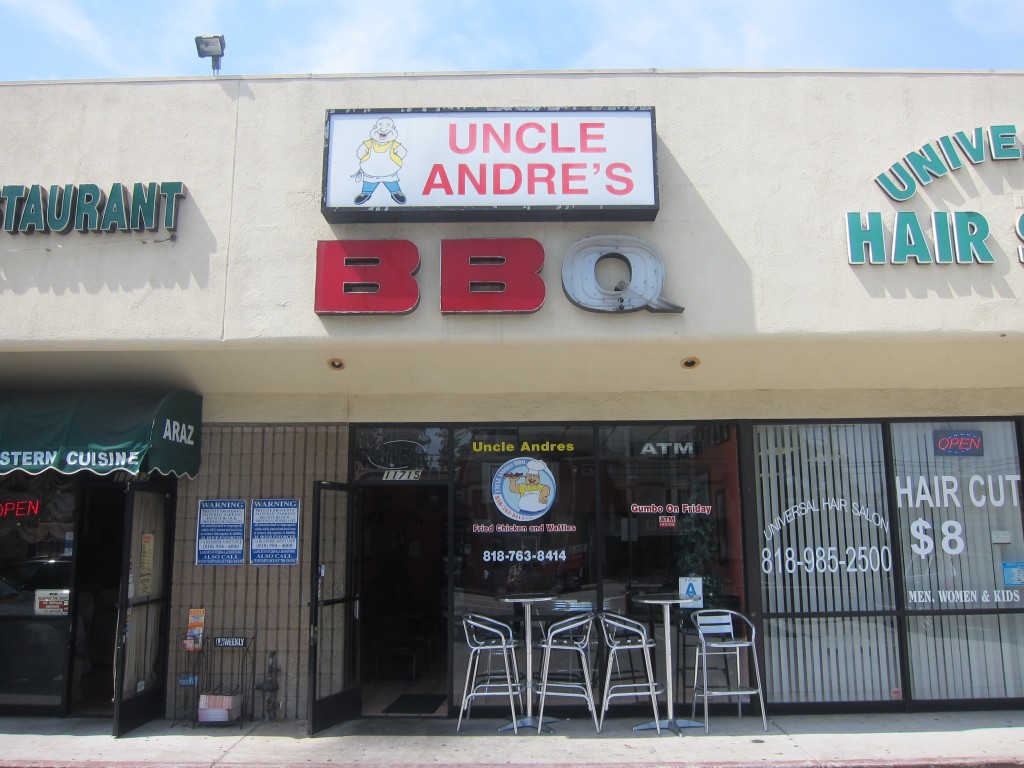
[(380, 159), (532, 492)]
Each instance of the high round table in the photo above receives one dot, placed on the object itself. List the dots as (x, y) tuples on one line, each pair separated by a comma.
[(666, 601), (527, 602)]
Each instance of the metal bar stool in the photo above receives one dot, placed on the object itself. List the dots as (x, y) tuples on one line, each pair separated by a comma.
[(489, 637), (687, 637), (571, 634), (725, 633), (623, 635)]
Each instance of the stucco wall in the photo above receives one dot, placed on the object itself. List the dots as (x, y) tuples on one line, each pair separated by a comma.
[(757, 171)]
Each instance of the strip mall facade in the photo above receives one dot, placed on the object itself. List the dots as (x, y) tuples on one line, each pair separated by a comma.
[(479, 379)]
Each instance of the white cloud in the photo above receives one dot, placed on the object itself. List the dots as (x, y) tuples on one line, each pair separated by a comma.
[(358, 38), (691, 33), (114, 40), (1000, 19), (70, 27), (459, 35)]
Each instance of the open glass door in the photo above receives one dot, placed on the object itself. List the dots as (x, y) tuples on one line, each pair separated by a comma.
[(335, 690), (140, 652)]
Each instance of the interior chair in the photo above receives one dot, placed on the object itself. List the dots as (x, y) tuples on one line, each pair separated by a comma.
[(624, 636), (568, 636), (490, 638), (730, 636)]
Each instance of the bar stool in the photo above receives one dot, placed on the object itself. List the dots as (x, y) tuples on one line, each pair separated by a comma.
[(570, 635), (625, 636), (489, 637), (725, 633), (687, 638)]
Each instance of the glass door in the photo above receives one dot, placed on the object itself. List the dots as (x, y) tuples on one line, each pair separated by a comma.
[(140, 662), (335, 688)]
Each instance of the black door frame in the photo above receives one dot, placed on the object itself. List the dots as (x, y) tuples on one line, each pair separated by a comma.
[(150, 704), (336, 706)]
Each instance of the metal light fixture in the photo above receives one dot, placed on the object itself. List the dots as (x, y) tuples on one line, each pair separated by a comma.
[(211, 47)]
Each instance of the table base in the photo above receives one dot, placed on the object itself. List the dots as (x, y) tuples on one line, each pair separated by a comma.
[(530, 721), (672, 725)]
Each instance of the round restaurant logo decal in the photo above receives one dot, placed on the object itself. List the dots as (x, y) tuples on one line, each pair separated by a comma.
[(523, 489)]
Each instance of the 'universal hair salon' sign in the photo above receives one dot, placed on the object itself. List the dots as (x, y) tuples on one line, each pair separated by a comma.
[(956, 237)]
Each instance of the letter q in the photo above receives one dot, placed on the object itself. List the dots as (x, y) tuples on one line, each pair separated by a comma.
[(642, 288)]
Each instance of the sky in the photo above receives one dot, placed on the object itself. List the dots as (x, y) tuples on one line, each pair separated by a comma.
[(88, 39)]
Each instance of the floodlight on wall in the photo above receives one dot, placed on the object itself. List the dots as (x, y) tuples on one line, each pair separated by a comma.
[(211, 47)]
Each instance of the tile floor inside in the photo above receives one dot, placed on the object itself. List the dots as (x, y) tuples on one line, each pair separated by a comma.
[(383, 687)]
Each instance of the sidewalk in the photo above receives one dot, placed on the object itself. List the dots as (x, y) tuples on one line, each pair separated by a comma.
[(935, 739)]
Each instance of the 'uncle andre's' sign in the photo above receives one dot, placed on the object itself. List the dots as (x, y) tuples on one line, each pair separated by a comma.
[(490, 165)]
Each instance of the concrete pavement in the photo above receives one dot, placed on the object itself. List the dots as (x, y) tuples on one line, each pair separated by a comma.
[(977, 739)]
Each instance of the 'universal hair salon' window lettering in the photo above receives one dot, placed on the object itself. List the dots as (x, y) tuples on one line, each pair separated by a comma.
[(826, 546), (826, 537), (956, 237)]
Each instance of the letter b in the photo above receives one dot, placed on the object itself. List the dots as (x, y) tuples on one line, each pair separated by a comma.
[(491, 275), (366, 277)]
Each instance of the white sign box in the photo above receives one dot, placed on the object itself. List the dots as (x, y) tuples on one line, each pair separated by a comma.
[(490, 165), (692, 588)]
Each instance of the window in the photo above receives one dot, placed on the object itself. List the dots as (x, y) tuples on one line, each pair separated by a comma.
[(670, 508), (524, 512), (958, 495), (826, 563)]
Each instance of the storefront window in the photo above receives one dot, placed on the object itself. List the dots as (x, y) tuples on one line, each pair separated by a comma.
[(670, 508), (36, 530), (524, 511), (876, 582), (958, 493), (831, 659), (825, 547)]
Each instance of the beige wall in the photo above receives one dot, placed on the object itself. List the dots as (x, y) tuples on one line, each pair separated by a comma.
[(757, 171), (640, 405)]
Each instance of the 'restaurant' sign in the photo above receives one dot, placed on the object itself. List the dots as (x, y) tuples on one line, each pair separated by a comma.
[(490, 165), (25, 209)]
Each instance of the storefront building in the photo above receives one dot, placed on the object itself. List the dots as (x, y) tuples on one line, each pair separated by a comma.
[(445, 338)]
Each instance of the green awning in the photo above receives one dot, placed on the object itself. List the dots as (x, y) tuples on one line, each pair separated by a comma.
[(101, 432)]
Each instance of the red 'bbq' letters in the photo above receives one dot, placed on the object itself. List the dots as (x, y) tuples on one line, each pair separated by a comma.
[(477, 275)]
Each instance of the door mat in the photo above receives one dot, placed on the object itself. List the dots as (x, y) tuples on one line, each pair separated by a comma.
[(415, 704)]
